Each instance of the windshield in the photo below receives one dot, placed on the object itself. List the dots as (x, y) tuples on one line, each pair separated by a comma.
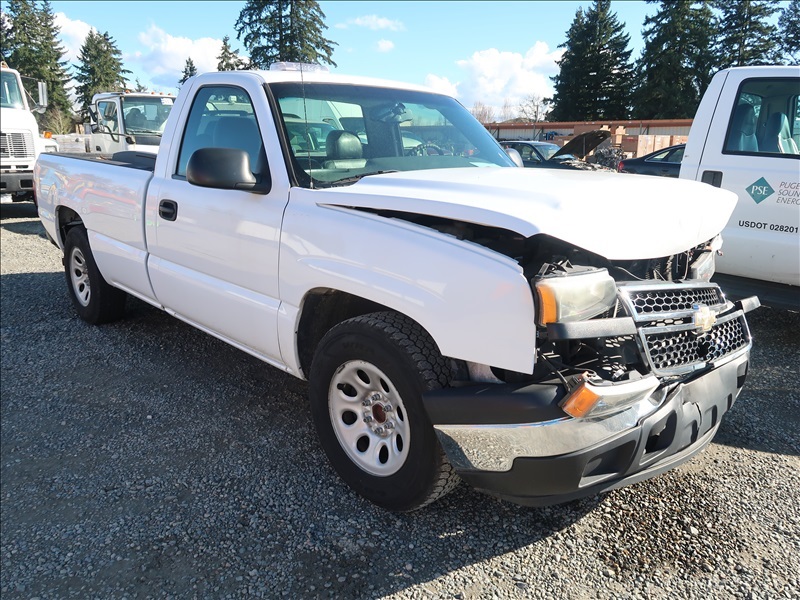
[(340, 133), (146, 114), (10, 92), (547, 150)]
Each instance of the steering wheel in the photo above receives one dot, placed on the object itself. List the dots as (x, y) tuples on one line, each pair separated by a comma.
[(425, 150)]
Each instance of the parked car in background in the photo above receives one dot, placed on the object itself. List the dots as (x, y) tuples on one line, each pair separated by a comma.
[(553, 156), (665, 162)]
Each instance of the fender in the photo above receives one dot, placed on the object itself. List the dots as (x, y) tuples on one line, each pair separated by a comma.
[(463, 294)]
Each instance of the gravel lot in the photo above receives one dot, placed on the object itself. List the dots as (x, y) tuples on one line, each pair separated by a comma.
[(146, 459)]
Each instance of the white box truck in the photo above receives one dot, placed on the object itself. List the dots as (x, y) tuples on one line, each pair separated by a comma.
[(20, 143)]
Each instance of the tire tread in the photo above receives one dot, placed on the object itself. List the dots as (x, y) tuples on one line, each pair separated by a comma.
[(435, 372)]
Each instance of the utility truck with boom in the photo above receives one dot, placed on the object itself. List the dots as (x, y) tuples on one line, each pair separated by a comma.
[(542, 334)]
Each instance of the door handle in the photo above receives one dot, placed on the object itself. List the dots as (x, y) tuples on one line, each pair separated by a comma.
[(712, 177), (168, 210)]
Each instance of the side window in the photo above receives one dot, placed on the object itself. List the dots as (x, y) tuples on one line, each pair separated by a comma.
[(222, 117), (677, 155), (765, 118), (660, 157), (796, 121)]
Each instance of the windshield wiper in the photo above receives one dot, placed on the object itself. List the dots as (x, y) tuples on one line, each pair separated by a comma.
[(355, 178)]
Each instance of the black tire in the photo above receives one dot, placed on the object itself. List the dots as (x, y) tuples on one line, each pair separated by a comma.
[(392, 356), (94, 299)]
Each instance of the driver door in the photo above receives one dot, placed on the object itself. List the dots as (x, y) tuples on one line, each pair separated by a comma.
[(214, 252)]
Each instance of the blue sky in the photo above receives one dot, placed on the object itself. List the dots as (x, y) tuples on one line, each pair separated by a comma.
[(478, 51)]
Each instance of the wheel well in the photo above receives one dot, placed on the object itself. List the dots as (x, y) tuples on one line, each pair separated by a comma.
[(323, 309), (67, 219)]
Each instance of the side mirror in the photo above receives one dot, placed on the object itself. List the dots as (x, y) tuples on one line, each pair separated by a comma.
[(515, 156), (224, 168), (41, 105)]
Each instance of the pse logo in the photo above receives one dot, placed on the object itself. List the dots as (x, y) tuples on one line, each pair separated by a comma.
[(760, 190)]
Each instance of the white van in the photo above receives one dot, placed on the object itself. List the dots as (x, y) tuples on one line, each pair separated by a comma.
[(745, 138)]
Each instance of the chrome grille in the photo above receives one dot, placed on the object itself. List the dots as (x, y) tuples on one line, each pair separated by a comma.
[(647, 302), (16, 145), (684, 349), (672, 342)]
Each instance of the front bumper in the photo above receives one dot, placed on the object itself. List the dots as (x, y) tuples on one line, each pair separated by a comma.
[(16, 181), (514, 441)]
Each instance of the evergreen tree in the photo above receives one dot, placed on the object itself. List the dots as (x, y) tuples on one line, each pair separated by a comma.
[(284, 30), (54, 72), (595, 72), (189, 70), (229, 60), (789, 25), (677, 62), (30, 45), (100, 68), (139, 86), (746, 38), (571, 85)]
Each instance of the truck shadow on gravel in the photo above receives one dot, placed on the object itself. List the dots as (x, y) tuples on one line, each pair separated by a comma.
[(18, 210), (21, 210), (197, 470)]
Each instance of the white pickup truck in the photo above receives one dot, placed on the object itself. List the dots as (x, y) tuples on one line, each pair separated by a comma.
[(745, 138), (543, 334)]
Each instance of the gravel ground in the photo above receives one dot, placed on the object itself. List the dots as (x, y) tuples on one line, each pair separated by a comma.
[(146, 459)]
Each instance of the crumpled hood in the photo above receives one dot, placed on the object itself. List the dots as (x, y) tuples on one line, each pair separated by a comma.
[(614, 215)]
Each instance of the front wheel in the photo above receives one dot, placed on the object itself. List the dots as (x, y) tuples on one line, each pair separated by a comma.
[(95, 300), (366, 386)]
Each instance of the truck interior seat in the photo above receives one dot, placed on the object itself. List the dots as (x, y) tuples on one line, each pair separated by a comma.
[(206, 139), (343, 150), (777, 137), (742, 136)]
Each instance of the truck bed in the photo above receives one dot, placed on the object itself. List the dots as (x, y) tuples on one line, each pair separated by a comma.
[(132, 159)]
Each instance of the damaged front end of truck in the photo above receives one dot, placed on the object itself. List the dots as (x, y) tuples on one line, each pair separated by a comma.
[(637, 362)]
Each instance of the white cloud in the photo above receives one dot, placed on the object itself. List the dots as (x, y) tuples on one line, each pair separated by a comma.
[(164, 56), (441, 84), (492, 76), (73, 34), (385, 45), (373, 22)]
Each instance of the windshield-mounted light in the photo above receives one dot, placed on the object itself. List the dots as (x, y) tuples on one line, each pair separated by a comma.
[(565, 298)]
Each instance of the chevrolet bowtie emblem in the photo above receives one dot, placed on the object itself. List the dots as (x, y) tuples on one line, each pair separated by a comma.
[(702, 317)]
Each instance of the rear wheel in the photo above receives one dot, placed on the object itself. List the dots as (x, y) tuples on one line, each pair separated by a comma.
[(95, 300), (367, 380)]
